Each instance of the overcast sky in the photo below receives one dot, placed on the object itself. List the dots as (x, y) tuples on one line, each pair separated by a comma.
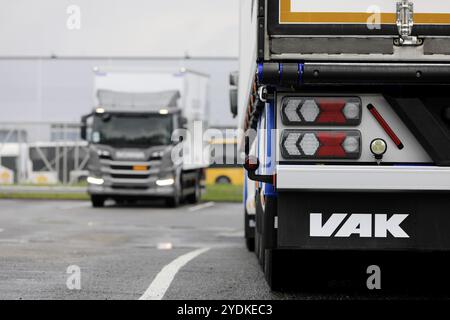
[(119, 28)]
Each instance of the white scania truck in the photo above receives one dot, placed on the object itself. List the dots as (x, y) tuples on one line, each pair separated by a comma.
[(350, 102), (135, 151)]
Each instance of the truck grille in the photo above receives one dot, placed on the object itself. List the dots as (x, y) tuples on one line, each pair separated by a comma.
[(124, 176), (129, 187), (130, 176), (117, 167)]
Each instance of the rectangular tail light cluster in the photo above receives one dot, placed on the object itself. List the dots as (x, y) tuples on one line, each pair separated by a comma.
[(321, 111), (321, 144)]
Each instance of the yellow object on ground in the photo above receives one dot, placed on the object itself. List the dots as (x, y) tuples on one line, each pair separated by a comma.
[(225, 168), (224, 175), (6, 176)]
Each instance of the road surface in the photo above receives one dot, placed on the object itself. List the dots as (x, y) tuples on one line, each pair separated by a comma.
[(139, 252)]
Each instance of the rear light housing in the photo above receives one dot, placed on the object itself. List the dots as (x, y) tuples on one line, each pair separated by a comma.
[(321, 144), (323, 111)]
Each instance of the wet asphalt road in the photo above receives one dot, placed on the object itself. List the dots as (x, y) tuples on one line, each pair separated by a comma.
[(120, 250)]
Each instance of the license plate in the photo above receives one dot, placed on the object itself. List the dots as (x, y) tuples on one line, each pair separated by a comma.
[(129, 155)]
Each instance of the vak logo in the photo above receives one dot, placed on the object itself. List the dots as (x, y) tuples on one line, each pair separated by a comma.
[(343, 225)]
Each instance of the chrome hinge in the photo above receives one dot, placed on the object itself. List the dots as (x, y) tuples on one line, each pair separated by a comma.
[(405, 24)]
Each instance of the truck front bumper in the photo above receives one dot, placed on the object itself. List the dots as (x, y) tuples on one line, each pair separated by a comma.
[(150, 192)]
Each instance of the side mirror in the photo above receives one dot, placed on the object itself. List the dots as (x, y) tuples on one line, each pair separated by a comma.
[(234, 102), (83, 128), (234, 83), (83, 131), (234, 79)]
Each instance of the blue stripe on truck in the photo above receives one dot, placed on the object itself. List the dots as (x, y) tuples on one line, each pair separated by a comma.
[(270, 161)]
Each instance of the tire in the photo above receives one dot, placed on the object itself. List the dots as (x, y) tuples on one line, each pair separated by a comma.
[(250, 244), (98, 201), (259, 243), (249, 233), (262, 251), (269, 255), (274, 277), (173, 202), (223, 180), (195, 197), (265, 239), (256, 251)]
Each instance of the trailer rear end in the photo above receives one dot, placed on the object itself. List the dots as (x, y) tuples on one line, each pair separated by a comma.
[(346, 114)]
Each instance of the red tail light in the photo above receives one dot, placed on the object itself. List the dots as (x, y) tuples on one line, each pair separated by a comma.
[(321, 144), (331, 144), (385, 126), (342, 111)]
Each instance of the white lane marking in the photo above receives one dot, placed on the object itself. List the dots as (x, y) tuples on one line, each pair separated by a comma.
[(164, 278), (1, 230), (201, 206)]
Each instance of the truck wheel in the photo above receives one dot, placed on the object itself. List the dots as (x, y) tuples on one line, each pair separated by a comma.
[(265, 234), (259, 243), (98, 201), (223, 180), (250, 244), (273, 276), (257, 240), (249, 233), (268, 244), (195, 196), (173, 201), (262, 251)]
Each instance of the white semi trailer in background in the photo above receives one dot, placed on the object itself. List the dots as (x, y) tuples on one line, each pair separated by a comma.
[(350, 102), (131, 135)]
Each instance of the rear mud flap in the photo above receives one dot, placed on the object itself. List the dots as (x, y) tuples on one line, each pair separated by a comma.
[(410, 221), (422, 274)]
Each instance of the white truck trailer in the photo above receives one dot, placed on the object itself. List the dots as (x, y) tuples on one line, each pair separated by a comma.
[(350, 103), (135, 152)]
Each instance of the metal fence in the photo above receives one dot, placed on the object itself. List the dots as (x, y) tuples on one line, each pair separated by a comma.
[(42, 153)]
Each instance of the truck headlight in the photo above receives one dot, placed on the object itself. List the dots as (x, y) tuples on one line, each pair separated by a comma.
[(95, 181), (165, 182), (103, 153)]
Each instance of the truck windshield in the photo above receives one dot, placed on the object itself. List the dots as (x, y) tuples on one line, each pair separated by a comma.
[(132, 130)]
